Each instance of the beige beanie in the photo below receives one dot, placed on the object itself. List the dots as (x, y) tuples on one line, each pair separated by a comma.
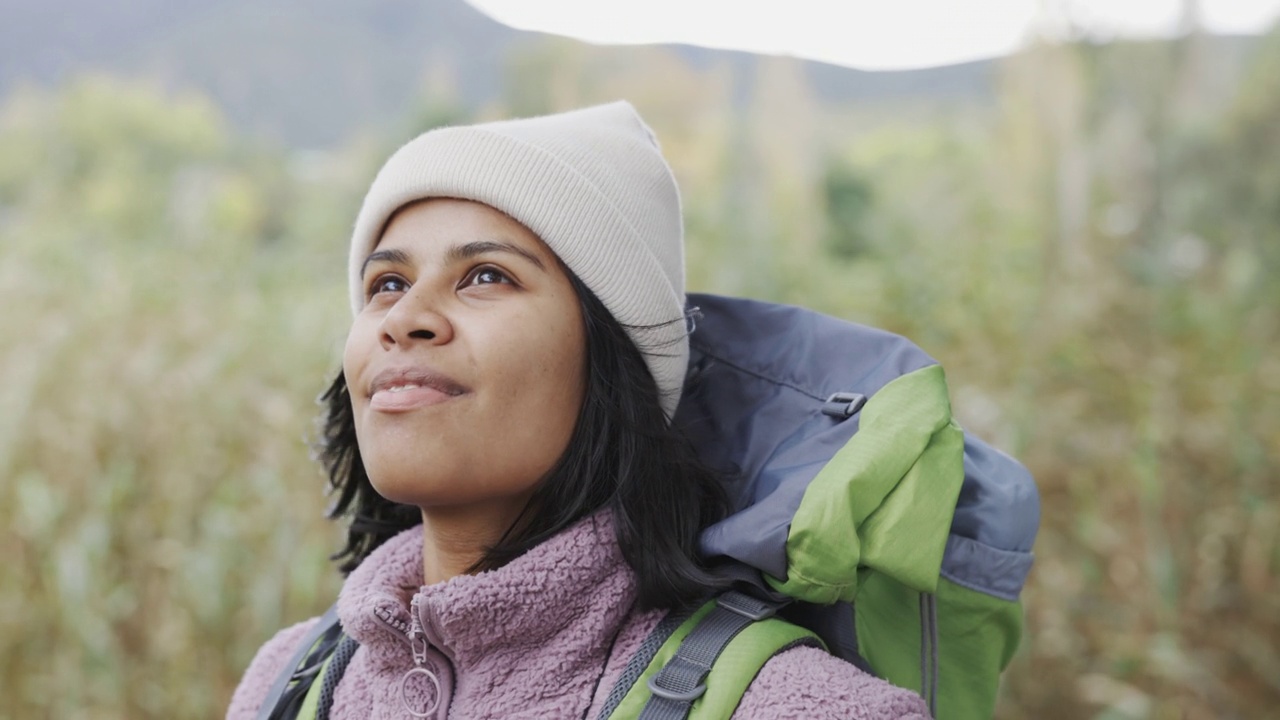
[(591, 183)]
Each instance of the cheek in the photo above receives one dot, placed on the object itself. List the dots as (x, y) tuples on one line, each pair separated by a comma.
[(355, 360), (546, 350), (566, 368), (362, 346), (355, 351), (562, 360), (548, 372)]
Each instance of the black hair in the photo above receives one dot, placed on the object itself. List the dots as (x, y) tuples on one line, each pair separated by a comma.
[(622, 454)]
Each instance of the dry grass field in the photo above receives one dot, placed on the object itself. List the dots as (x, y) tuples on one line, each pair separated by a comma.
[(1100, 277)]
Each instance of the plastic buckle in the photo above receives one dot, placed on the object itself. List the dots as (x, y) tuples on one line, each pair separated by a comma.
[(746, 606), (666, 694), (844, 404)]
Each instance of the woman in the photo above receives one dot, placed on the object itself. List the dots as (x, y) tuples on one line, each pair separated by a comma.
[(523, 513)]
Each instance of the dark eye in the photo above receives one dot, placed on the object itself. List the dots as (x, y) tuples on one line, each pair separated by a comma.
[(486, 275), (387, 283)]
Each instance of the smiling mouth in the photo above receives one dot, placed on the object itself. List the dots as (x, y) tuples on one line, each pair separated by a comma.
[(401, 388), (410, 389), (402, 398)]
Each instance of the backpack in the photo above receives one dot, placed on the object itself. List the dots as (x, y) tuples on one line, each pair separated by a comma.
[(869, 523)]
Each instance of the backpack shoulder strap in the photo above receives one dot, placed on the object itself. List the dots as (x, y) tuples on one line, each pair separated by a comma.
[(304, 688), (691, 675), (326, 622), (319, 699)]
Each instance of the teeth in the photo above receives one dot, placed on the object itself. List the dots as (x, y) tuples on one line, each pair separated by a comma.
[(400, 388)]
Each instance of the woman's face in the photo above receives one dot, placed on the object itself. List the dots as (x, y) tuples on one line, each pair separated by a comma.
[(466, 366)]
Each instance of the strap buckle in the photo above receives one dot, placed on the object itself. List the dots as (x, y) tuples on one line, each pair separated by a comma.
[(843, 405), (665, 694)]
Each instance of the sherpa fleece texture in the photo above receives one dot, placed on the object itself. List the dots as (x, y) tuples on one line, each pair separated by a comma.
[(546, 636)]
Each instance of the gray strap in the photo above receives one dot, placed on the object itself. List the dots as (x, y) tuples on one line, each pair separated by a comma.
[(326, 621), (680, 681), (333, 673), (640, 661)]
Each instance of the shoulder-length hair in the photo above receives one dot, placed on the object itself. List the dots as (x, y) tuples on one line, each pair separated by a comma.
[(623, 455)]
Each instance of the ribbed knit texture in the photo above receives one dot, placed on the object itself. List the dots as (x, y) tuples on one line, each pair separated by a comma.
[(591, 183)]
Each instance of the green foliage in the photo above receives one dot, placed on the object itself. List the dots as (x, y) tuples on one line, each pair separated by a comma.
[(848, 197), (1094, 260), (159, 357), (542, 77)]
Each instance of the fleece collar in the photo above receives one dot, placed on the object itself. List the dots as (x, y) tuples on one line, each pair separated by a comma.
[(565, 598)]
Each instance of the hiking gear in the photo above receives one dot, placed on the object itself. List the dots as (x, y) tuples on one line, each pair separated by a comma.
[(546, 635), (709, 657), (299, 669), (858, 489), (591, 183), (866, 516), (324, 654)]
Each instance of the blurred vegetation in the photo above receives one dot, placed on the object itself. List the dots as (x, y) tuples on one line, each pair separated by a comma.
[(1095, 259)]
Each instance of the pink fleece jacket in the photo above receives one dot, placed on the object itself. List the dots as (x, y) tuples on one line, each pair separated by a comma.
[(546, 636)]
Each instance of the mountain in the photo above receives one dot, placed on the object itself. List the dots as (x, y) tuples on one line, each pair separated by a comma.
[(310, 73), (306, 72)]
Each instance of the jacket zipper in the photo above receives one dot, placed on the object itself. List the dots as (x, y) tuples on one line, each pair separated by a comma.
[(412, 633), (399, 627), (432, 633), (418, 644), (417, 638)]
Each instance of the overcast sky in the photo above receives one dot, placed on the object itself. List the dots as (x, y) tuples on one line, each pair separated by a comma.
[(869, 34)]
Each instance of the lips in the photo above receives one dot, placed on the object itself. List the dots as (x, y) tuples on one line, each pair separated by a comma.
[(404, 389)]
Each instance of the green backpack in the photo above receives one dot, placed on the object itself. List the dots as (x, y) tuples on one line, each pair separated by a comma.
[(870, 524)]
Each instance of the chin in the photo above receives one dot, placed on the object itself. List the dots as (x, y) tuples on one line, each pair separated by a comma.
[(399, 485)]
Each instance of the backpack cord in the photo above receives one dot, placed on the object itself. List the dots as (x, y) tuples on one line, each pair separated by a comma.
[(933, 632), (929, 651)]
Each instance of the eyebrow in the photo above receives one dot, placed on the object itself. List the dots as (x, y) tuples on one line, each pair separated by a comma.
[(455, 254), (480, 247), (394, 257)]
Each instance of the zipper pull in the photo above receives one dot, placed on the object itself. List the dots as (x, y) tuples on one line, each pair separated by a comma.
[(418, 644), (417, 637)]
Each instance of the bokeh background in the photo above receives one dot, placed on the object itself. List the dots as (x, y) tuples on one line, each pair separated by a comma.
[(1086, 234)]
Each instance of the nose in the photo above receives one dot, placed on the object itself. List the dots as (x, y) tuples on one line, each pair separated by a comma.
[(414, 319)]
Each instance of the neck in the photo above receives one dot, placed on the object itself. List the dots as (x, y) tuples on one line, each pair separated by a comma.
[(454, 540)]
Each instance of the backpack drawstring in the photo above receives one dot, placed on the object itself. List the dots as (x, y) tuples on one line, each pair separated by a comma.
[(929, 651)]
